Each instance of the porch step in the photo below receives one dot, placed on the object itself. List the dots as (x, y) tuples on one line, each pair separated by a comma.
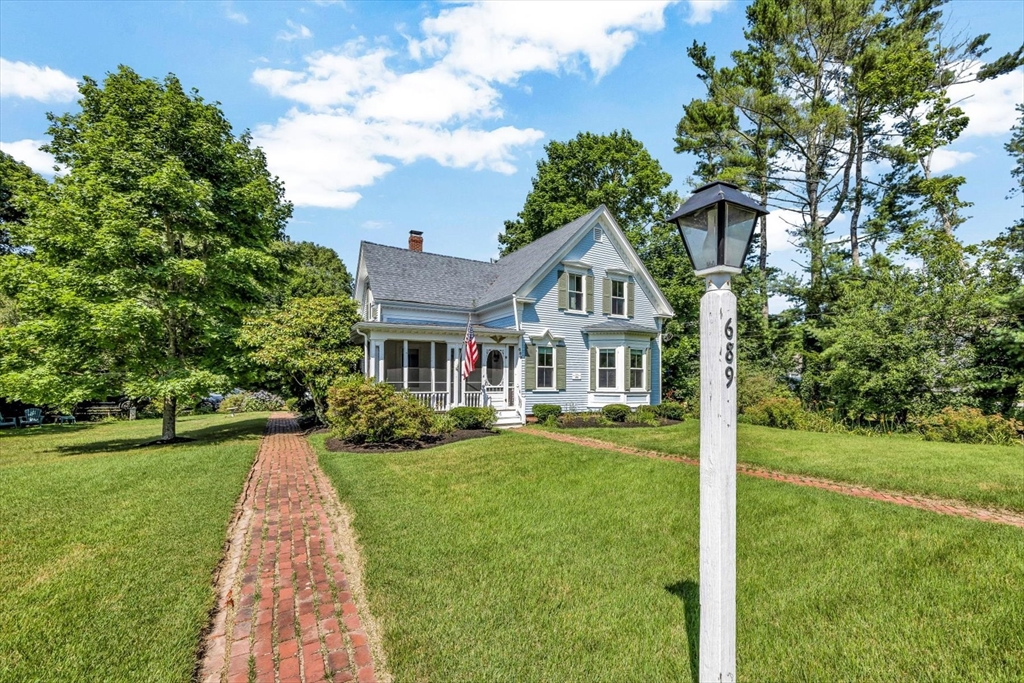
[(507, 417)]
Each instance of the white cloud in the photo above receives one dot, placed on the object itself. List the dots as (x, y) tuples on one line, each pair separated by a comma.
[(294, 32), (702, 11), (358, 115), (28, 152), (374, 225), (21, 79), (945, 159), (780, 222), (233, 14), (500, 41), (989, 104)]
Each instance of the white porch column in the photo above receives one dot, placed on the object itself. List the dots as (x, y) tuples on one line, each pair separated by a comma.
[(718, 482), (433, 364), (405, 364)]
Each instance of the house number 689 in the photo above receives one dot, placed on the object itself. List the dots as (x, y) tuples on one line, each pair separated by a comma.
[(730, 373)]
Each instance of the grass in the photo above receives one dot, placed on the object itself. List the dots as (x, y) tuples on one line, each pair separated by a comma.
[(107, 551), (982, 475), (521, 559)]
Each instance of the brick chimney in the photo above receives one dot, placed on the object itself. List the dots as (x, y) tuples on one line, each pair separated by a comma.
[(415, 240)]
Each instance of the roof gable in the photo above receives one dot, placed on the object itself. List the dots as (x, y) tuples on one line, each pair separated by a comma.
[(398, 274)]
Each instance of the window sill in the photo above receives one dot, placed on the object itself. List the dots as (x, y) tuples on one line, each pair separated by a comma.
[(544, 391), (572, 312)]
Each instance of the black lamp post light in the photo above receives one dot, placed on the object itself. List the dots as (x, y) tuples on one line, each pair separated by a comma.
[(716, 225)]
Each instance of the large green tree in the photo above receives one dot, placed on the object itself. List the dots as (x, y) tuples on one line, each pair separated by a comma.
[(147, 251), (313, 270), (308, 340), (18, 184), (578, 175)]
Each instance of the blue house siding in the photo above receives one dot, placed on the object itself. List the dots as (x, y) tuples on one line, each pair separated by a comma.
[(545, 315), (506, 321)]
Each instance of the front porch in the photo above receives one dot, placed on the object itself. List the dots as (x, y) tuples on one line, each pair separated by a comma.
[(427, 359)]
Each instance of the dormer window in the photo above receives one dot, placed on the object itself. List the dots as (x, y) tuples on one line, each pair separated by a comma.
[(618, 297), (576, 292)]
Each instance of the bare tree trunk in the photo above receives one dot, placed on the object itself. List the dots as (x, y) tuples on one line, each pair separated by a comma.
[(858, 199), (762, 261), (170, 415)]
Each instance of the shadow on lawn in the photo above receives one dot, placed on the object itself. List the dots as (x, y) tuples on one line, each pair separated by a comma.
[(689, 592), (230, 430)]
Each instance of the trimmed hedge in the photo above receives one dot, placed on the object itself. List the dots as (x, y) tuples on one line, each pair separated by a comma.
[(473, 418), (542, 411), (617, 412)]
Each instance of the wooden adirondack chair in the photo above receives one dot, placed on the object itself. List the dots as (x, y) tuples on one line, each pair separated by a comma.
[(8, 421), (33, 416)]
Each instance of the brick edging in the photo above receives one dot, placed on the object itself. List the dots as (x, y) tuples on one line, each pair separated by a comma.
[(940, 506)]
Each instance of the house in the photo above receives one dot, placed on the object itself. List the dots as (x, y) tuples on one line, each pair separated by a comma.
[(573, 319)]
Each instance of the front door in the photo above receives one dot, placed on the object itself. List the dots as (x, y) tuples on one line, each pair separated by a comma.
[(495, 371)]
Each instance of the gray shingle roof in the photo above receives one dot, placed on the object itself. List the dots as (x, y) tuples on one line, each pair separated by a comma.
[(398, 274)]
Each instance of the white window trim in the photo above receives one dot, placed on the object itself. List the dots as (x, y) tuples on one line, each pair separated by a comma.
[(625, 299), (618, 364), (554, 370), (643, 371), (582, 290)]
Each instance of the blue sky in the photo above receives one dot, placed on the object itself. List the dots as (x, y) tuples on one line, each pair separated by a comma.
[(386, 117)]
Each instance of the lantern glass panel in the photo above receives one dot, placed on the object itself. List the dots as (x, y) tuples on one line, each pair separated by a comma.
[(700, 230), (740, 225)]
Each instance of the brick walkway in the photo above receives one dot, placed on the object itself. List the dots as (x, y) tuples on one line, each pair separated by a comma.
[(942, 507), (285, 609)]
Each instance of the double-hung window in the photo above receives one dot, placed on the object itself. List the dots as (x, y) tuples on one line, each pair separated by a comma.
[(636, 369), (618, 297), (606, 369), (575, 292), (545, 367)]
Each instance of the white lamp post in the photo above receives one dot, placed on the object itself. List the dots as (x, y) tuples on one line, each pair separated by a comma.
[(717, 225)]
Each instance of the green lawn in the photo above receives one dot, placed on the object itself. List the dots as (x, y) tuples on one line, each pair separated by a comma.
[(107, 552), (521, 559), (982, 475)]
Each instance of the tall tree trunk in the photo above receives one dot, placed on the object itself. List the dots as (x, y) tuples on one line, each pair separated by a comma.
[(762, 259), (170, 415), (858, 197)]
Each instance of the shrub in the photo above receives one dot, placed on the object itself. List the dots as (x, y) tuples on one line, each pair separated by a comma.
[(968, 425), (473, 418), (291, 404), (232, 401), (261, 401), (364, 411), (755, 385), (443, 425), (670, 410), (582, 420), (616, 412), (643, 417), (782, 413), (542, 411), (251, 402)]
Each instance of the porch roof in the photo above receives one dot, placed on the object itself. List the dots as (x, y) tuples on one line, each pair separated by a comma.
[(436, 328), (618, 327)]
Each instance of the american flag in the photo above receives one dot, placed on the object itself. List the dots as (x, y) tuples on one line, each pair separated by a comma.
[(472, 351)]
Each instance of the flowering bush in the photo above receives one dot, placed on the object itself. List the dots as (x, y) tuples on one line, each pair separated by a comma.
[(251, 402)]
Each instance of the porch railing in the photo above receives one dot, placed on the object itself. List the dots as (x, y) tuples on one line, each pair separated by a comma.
[(435, 400), (438, 400)]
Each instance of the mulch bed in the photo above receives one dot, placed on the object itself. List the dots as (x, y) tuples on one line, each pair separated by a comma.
[(336, 445)]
